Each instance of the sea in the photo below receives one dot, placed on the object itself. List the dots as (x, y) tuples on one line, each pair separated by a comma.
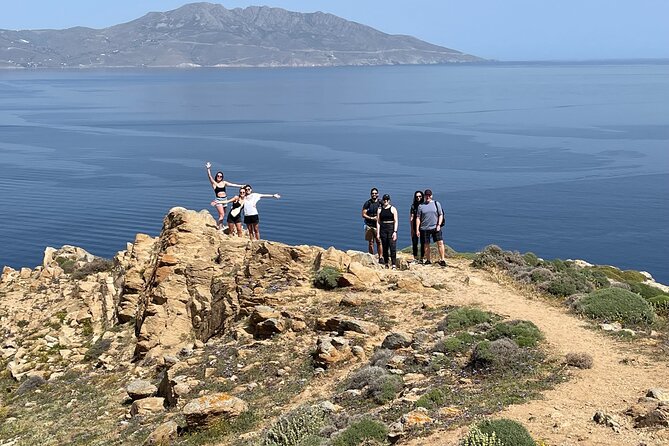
[(566, 160)]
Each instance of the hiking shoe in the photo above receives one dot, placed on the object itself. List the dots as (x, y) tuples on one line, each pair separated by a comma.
[(393, 267), (427, 262), (381, 261), (442, 262)]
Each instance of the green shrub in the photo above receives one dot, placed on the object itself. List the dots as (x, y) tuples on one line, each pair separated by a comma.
[(616, 304), (660, 303), (296, 428), (509, 432), (524, 333), (327, 278), (477, 438), (385, 389), (462, 318), (621, 276), (360, 431), (541, 275), (531, 259), (67, 265), (567, 282), (101, 346), (644, 290), (433, 398), (455, 344), (499, 355), (493, 256)]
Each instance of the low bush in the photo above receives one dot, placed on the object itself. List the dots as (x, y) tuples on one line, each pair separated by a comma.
[(101, 346), (567, 282), (296, 428), (327, 278), (616, 304), (494, 256), (579, 360), (463, 317), (509, 432), (361, 431), (531, 259), (67, 265), (621, 276), (434, 398), (381, 386), (524, 333), (660, 303), (499, 355), (644, 290), (97, 265), (455, 344)]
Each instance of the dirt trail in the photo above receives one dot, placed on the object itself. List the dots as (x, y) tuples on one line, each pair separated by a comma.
[(564, 418)]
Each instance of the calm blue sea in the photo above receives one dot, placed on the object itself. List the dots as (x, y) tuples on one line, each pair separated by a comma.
[(568, 161)]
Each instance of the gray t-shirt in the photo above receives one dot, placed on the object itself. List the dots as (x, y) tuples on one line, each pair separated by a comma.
[(429, 215)]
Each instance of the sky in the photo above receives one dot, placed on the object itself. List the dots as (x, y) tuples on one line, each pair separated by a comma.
[(511, 30)]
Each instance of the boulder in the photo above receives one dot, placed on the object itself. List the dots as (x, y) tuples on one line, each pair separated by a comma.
[(397, 340), (266, 321), (331, 350), (202, 411), (340, 324), (658, 394), (147, 406), (164, 434), (416, 417), (140, 388)]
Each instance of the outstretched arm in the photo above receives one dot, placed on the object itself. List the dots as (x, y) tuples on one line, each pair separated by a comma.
[(277, 196), (233, 184), (211, 179), (235, 198)]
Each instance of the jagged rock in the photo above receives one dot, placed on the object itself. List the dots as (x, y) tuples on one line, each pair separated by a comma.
[(416, 417), (163, 435), (658, 394), (147, 406), (266, 321), (331, 350), (203, 410), (333, 258), (351, 300), (607, 420), (170, 379), (397, 340), (341, 324), (140, 388)]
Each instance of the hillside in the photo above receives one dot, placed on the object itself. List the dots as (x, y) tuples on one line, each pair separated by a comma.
[(209, 35), (196, 337)]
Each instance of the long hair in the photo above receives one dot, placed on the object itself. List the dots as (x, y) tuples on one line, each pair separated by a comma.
[(417, 201)]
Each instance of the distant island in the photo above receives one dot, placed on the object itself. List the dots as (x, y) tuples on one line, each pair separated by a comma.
[(209, 35)]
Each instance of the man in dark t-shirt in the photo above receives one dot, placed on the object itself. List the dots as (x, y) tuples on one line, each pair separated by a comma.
[(369, 210)]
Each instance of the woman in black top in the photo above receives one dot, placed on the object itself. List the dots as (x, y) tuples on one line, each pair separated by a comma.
[(235, 214), (417, 201), (219, 184), (386, 227)]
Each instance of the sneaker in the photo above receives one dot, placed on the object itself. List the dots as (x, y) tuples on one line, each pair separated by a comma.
[(381, 261), (393, 267), (442, 262), (427, 262)]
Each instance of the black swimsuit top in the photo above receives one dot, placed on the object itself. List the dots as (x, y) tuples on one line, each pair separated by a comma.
[(218, 189), (386, 215)]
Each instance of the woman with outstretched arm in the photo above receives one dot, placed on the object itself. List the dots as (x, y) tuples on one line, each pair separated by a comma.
[(251, 211), (219, 185)]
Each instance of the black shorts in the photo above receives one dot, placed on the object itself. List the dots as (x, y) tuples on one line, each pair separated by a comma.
[(235, 220), (426, 234), (251, 219)]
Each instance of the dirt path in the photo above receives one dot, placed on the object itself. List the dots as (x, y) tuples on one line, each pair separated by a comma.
[(564, 418)]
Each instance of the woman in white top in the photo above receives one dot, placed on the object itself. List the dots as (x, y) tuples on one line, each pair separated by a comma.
[(251, 211)]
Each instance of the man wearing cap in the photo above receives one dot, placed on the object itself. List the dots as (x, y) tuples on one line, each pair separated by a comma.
[(369, 210), (430, 220)]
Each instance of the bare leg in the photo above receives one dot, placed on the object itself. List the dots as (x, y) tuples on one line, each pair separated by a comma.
[(442, 252), (221, 215), (370, 247), (231, 228), (427, 251), (239, 229), (250, 227), (378, 247), (256, 228)]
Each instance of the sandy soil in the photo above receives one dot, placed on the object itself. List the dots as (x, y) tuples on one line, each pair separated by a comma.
[(564, 417)]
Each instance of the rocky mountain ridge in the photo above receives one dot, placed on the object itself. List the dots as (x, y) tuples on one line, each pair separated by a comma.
[(209, 35), (197, 337)]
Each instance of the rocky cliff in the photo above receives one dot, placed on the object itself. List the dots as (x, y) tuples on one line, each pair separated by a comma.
[(209, 35), (197, 337)]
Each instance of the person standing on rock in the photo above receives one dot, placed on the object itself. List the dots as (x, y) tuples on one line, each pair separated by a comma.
[(386, 227), (235, 214), (370, 210), (219, 185), (413, 229), (430, 220), (251, 211)]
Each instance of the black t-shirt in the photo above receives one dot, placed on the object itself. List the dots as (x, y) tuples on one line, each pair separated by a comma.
[(372, 207)]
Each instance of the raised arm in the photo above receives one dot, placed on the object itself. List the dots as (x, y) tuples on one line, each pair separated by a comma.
[(277, 196), (227, 183), (211, 179)]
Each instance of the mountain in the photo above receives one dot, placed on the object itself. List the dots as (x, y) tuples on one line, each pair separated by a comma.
[(209, 35)]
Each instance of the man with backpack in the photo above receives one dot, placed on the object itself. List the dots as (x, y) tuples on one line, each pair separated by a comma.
[(429, 221), (369, 210)]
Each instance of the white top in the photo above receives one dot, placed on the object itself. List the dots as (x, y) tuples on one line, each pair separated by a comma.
[(250, 203)]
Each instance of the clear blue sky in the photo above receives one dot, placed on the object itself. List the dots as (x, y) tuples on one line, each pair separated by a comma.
[(496, 29)]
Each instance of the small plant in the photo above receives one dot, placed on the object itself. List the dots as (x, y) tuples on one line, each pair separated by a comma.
[(86, 327), (327, 278), (525, 333), (296, 427), (97, 349), (433, 398), (455, 344), (531, 259), (493, 256), (509, 432), (644, 290), (361, 431), (477, 438), (660, 303), (97, 265), (616, 304), (67, 265), (501, 355), (385, 389), (462, 318), (579, 360), (22, 323)]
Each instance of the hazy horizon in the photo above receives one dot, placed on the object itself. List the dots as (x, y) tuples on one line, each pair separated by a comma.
[(516, 30)]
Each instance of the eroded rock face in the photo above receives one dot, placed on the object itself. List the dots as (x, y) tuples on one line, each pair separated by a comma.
[(202, 411)]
